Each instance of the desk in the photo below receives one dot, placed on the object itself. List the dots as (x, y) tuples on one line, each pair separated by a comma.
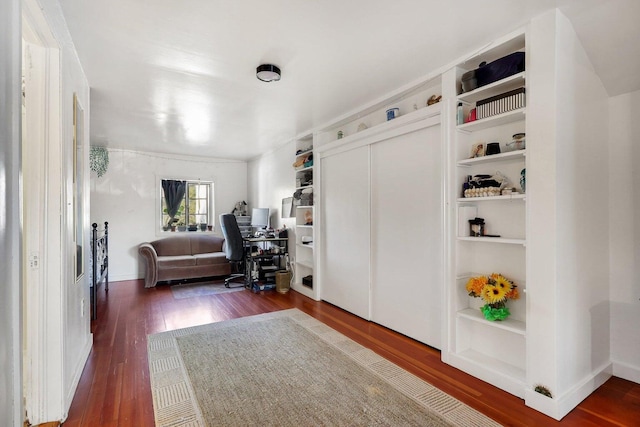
[(255, 268)]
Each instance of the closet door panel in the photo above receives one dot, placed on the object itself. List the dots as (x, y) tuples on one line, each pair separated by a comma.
[(407, 234), (344, 257)]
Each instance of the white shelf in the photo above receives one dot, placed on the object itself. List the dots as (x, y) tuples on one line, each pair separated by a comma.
[(307, 264), (304, 226), (494, 240), (304, 207), (304, 186), (404, 119), (304, 290), (494, 365), (512, 196), (502, 157), (300, 245), (496, 88), (507, 377), (305, 152), (497, 120), (508, 324)]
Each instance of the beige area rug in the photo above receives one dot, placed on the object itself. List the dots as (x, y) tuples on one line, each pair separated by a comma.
[(191, 290), (288, 369)]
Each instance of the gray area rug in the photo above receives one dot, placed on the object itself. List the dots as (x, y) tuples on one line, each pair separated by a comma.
[(288, 369), (190, 290)]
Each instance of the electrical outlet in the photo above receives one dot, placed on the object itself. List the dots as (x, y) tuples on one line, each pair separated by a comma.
[(34, 260)]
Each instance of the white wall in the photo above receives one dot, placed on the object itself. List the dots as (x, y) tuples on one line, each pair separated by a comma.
[(10, 256), (128, 197), (75, 312), (567, 198), (583, 221), (624, 235), (271, 178)]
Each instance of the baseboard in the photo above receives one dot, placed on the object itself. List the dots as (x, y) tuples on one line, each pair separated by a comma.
[(77, 373), (122, 277), (626, 371), (559, 406), (483, 371)]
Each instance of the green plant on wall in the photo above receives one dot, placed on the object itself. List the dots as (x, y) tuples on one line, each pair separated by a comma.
[(98, 160)]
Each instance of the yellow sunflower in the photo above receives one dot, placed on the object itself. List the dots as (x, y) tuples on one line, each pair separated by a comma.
[(502, 282), (475, 285), (493, 294)]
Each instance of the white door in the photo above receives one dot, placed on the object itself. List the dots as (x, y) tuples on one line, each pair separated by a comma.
[(344, 257), (407, 234)]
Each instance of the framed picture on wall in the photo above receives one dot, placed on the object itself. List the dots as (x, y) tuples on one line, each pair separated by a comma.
[(78, 182), (287, 207)]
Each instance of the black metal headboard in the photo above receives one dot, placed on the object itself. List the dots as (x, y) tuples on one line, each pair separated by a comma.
[(99, 264)]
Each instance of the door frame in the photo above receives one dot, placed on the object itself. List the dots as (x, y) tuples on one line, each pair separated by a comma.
[(42, 302)]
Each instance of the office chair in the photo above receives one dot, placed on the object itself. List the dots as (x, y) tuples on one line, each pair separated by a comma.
[(234, 247)]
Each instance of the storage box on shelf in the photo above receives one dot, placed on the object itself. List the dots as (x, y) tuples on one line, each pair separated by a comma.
[(494, 351), (499, 102)]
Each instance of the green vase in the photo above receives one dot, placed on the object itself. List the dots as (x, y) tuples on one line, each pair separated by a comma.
[(493, 312)]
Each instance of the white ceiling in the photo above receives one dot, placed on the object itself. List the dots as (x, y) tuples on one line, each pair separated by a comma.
[(179, 76)]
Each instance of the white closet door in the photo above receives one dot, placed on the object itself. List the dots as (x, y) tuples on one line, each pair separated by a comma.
[(344, 257), (407, 234)]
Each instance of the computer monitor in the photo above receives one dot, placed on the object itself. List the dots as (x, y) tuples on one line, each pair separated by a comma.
[(260, 218)]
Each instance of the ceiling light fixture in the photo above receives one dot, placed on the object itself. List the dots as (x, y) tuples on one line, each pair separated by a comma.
[(268, 73)]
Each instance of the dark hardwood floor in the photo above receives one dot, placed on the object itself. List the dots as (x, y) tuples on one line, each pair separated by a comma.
[(114, 387)]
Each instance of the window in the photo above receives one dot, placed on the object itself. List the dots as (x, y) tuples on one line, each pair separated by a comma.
[(196, 206)]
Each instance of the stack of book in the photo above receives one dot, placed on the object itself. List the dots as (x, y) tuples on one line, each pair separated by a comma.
[(499, 104)]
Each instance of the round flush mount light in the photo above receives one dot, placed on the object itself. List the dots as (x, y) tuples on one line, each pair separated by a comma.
[(268, 73)]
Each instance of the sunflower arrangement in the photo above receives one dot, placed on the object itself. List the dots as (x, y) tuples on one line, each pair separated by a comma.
[(495, 290)]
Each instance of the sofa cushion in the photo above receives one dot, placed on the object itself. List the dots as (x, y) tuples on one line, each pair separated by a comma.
[(211, 259), (172, 246), (205, 244), (176, 261)]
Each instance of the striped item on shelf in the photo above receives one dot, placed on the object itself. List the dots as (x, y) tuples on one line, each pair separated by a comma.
[(499, 104)]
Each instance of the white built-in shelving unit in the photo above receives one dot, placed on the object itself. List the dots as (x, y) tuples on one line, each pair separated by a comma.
[(385, 191), (303, 253), (494, 351)]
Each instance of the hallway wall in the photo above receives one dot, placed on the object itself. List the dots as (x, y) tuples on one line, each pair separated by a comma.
[(10, 256), (624, 238)]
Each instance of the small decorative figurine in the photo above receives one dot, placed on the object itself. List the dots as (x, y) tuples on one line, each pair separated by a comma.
[(434, 99)]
